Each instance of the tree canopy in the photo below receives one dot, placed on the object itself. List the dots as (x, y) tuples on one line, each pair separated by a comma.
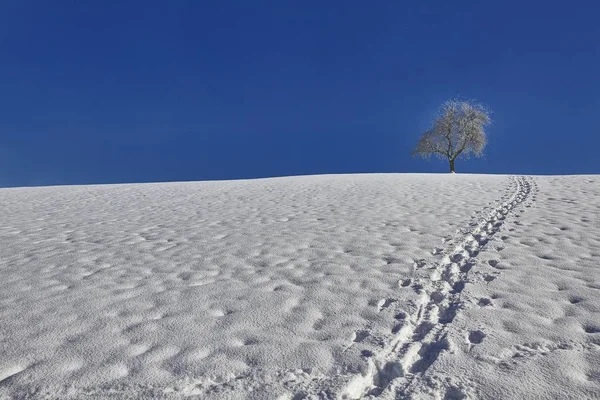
[(458, 131)]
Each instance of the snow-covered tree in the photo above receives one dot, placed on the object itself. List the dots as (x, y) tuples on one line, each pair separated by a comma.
[(458, 131)]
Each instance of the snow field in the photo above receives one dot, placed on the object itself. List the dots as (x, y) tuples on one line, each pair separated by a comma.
[(350, 286)]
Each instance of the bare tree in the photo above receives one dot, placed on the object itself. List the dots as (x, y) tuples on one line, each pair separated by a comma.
[(458, 131)]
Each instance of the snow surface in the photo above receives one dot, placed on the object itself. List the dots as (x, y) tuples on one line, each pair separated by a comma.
[(318, 287)]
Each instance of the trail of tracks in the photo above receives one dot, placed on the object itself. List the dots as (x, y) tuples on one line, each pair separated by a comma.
[(417, 343)]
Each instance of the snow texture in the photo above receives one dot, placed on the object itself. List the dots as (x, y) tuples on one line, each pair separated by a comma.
[(387, 286)]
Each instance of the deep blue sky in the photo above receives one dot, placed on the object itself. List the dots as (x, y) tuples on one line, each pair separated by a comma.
[(139, 91)]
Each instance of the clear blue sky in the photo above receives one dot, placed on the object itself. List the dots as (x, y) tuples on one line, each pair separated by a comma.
[(139, 91)]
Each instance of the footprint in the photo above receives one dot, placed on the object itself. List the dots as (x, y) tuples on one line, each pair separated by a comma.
[(405, 282), (319, 324), (184, 276), (360, 336), (456, 393), (417, 287), (448, 313), (397, 328), (456, 258), (438, 297), (384, 303), (467, 267), (591, 328), (562, 286), (484, 302), (400, 316), (422, 330), (575, 299), (476, 337), (458, 287), (391, 260)]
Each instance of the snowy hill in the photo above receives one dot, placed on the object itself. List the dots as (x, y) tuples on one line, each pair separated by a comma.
[(318, 287)]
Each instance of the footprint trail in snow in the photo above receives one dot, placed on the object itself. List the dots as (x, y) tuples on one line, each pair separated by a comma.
[(395, 371)]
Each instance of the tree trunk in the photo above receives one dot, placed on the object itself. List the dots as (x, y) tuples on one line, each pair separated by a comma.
[(451, 165)]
